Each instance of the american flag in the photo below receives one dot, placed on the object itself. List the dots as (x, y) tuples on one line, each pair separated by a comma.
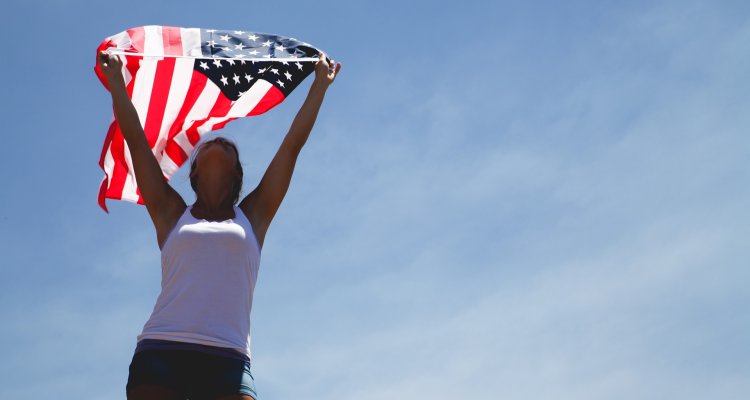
[(185, 82)]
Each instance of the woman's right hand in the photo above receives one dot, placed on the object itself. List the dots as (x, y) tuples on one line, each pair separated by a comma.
[(111, 66)]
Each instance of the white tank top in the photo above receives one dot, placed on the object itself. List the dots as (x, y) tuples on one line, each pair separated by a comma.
[(209, 270)]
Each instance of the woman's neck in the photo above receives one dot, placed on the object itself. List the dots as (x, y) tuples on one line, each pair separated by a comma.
[(213, 211)]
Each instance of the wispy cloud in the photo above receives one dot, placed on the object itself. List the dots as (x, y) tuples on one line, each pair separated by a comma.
[(566, 257)]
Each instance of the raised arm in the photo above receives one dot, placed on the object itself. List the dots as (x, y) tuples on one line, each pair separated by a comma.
[(262, 203), (163, 203)]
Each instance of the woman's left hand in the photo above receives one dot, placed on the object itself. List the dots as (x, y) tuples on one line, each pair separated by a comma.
[(326, 72)]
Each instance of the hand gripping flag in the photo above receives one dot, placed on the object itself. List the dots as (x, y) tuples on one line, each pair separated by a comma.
[(185, 82)]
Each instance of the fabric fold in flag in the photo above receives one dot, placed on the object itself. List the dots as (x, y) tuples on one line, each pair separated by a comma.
[(186, 82)]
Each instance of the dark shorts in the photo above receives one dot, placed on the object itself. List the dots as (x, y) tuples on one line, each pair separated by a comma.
[(193, 374)]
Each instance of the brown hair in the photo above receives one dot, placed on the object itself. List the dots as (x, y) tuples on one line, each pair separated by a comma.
[(237, 184)]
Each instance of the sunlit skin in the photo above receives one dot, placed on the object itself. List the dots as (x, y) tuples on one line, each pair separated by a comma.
[(215, 172)]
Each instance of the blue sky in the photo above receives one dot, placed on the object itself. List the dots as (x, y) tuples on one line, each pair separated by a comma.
[(500, 199)]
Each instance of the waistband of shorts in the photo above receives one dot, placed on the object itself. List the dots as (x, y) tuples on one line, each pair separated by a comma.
[(158, 344)]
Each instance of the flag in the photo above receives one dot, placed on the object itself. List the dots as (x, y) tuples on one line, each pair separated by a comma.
[(185, 82)]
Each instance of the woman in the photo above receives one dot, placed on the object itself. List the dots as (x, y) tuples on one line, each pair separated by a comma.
[(196, 343)]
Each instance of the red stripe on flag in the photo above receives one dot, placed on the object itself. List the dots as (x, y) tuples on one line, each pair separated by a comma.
[(158, 101), (137, 39), (133, 64), (103, 193), (172, 40), (272, 97), (174, 150), (197, 84), (107, 143), (175, 153), (172, 44), (221, 108), (120, 171), (221, 124), (113, 183), (99, 74), (114, 144)]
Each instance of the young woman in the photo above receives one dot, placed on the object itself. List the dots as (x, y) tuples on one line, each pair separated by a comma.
[(196, 343)]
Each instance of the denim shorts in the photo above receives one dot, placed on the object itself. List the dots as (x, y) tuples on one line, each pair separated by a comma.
[(193, 374)]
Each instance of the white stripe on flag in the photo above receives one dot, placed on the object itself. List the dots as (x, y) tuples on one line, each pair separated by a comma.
[(109, 161), (241, 107), (250, 99), (142, 88), (191, 42), (181, 78), (125, 72), (182, 140), (122, 40), (145, 77), (129, 189), (168, 167), (200, 109)]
